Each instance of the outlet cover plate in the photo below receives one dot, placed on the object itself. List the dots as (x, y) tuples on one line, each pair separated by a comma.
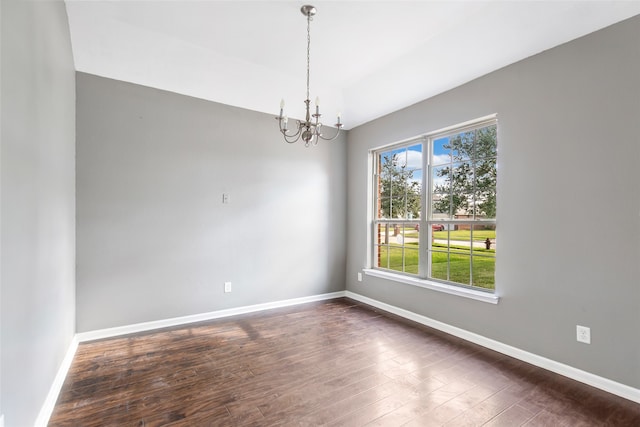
[(583, 334), (227, 287)]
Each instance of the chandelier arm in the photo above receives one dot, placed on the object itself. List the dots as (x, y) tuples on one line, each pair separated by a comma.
[(333, 137), (291, 140), (292, 137), (284, 131)]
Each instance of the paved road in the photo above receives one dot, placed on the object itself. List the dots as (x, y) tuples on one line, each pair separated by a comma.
[(480, 245)]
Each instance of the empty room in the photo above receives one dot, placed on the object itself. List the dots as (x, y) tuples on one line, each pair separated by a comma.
[(345, 213)]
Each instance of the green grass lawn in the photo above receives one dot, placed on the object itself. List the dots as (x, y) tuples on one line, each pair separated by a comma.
[(457, 267)]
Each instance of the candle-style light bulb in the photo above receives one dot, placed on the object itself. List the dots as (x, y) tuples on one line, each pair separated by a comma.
[(282, 103), (317, 101), (339, 114)]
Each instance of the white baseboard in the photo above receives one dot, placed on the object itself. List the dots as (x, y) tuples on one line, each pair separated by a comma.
[(602, 383), (183, 320), (58, 381)]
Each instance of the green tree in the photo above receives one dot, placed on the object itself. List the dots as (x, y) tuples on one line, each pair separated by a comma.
[(399, 191), (469, 184)]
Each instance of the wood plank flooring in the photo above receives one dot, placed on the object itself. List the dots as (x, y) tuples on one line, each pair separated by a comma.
[(336, 363)]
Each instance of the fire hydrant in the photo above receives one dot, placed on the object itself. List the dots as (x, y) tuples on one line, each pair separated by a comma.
[(487, 243)]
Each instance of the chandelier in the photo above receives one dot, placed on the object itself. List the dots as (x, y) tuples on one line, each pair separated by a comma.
[(310, 130)]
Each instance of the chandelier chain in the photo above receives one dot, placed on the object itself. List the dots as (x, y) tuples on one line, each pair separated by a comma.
[(308, 52)]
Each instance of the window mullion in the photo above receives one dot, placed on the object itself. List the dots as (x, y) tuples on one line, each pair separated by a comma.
[(424, 259)]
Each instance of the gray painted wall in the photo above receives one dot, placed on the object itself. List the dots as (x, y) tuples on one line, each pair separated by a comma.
[(568, 202), (155, 241), (38, 203)]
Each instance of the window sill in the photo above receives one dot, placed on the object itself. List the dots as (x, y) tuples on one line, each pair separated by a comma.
[(435, 286)]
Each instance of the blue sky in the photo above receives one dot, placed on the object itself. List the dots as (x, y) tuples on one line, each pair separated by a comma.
[(412, 156)]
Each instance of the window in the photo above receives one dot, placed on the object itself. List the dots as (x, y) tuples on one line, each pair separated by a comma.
[(435, 206)]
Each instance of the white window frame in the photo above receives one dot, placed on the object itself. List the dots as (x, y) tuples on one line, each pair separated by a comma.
[(423, 278)]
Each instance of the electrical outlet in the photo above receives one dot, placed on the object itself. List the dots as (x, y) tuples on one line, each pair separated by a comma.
[(359, 277), (227, 287), (583, 334)]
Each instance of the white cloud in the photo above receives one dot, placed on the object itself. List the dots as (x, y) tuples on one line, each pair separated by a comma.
[(410, 159), (439, 159), (414, 159)]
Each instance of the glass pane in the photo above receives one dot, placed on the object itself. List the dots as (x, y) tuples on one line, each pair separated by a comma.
[(411, 260), (383, 235), (484, 239), (439, 234), (414, 157), (462, 176), (396, 237), (441, 152), (440, 208), (460, 268), (384, 208), (460, 185), (397, 161), (398, 204), (386, 184), (485, 188), (400, 159), (441, 190), (460, 240), (486, 142), (395, 258), (413, 181), (382, 255), (414, 201), (441, 179), (385, 160), (484, 272), (439, 264), (399, 183), (462, 206), (411, 234), (462, 146)]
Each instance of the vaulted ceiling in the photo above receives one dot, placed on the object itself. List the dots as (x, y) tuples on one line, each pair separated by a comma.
[(368, 58)]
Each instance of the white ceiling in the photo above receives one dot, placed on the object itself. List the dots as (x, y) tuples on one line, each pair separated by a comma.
[(368, 58)]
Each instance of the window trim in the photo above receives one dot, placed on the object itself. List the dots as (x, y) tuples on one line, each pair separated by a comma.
[(458, 290), (422, 279)]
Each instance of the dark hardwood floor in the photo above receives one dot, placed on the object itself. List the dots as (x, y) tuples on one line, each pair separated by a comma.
[(335, 363)]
